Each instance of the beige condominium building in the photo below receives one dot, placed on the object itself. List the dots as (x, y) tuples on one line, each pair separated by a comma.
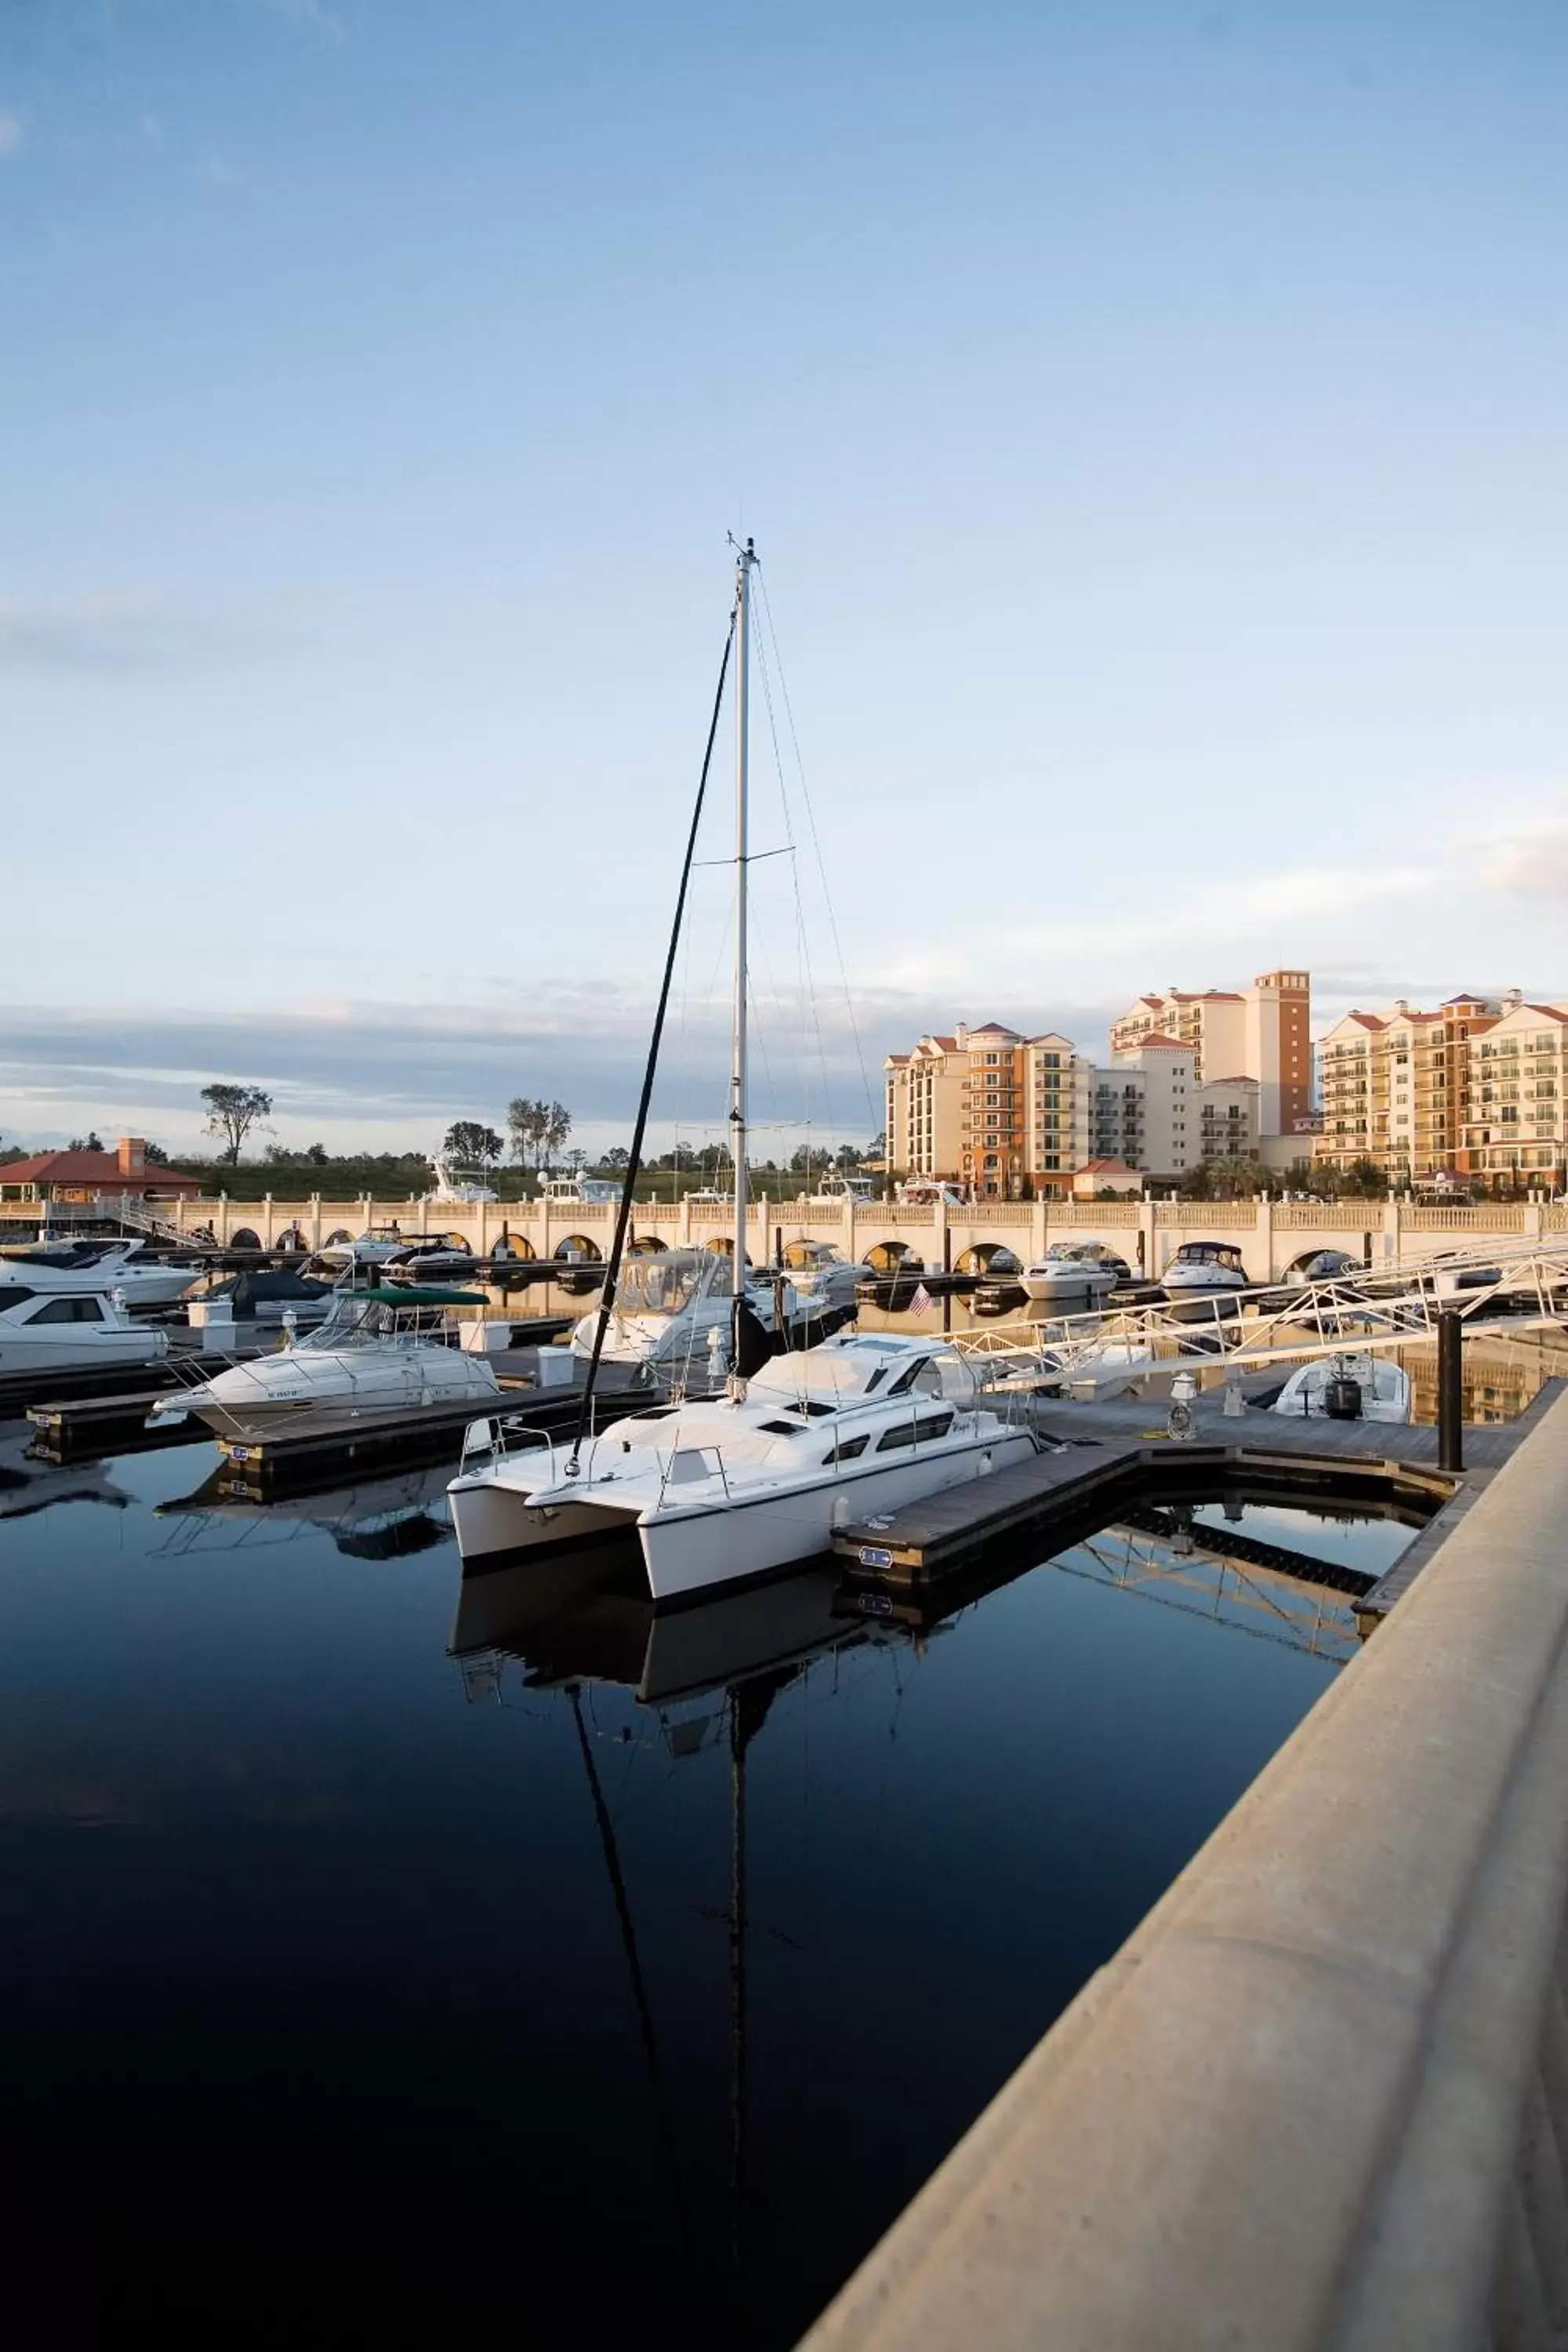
[(990, 1108), (1261, 1031), (1516, 1082), (1475, 1089)]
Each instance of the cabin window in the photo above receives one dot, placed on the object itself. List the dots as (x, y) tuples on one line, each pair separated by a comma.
[(69, 1310), (922, 1376), (779, 1428), (846, 1451), (934, 1425), (812, 1408)]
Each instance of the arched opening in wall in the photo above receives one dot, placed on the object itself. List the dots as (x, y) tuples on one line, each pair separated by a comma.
[(578, 1250), (988, 1258), (1323, 1266), (243, 1238), (292, 1240), (514, 1246), (894, 1258), (646, 1245), (342, 1235), (457, 1243)]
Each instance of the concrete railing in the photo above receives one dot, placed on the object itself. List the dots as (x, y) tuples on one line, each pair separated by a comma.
[(1319, 2098)]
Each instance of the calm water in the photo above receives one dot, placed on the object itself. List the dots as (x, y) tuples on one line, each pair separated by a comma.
[(376, 1960)]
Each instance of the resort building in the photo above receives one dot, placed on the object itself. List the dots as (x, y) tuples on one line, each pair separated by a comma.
[(1165, 1072), (1226, 1110), (1262, 1032), (1473, 1089), (1511, 1125), (990, 1109)]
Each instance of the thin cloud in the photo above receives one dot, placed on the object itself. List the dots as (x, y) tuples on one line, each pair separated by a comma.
[(12, 133), (128, 633), (309, 13), (1532, 863)]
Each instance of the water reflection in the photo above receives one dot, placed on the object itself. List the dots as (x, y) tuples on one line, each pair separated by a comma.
[(670, 1962)]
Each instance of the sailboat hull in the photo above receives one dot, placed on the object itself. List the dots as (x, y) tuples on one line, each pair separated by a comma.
[(693, 1548)]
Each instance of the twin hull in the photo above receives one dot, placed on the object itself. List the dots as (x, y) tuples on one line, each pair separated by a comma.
[(689, 1548)]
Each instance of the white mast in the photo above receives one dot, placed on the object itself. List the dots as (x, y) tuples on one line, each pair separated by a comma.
[(738, 1080)]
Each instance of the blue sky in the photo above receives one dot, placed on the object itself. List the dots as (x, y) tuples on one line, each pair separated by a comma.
[(1151, 419)]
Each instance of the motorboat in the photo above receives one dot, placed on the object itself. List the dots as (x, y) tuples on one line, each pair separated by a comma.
[(821, 1275), (1384, 1386), (577, 1192), (453, 1189), (720, 1489), (675, 1308), (1205, 1266), (96, 1269), (375, 1246), (928, 1192), (49, 1331), (836, 1190), (1107, 1370), (379, 1348), (1069, 1274)]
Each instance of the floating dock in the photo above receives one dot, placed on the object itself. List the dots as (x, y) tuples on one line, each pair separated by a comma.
[(1109, 1461)]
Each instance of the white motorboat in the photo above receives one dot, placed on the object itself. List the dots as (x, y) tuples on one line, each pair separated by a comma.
[(1384, 1385), (373, 1247), (96, 1269), (820, 1275), (1069, 1274), (454, 1188), (53, 1331), (930, 1191), (835, 1190), (1205, 1266), (378, 1349), (675, 1307), (750, 1482), (1109, 1371), (578, 1192)]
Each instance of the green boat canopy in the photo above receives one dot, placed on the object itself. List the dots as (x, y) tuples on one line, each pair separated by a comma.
[(415, 1293)]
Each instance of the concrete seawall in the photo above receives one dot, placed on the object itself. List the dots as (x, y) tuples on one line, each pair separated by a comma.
[(1320, 2096)]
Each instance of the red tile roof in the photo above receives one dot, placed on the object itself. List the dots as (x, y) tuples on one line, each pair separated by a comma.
[(1157, 1037), (1107, 1168), (94, 1168)]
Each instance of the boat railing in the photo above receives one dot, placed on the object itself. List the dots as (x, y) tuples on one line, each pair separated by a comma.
[(494, 1439)]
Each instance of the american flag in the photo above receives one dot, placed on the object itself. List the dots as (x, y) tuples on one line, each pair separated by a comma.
[(921, 1303)]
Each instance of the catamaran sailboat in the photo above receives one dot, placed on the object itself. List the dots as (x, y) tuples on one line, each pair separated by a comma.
[(729, 1487), (757, 1480)]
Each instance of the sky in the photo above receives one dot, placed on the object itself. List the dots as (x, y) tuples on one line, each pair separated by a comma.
[(1153, 423)]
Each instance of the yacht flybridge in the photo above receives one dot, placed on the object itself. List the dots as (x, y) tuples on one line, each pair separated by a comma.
[(757, 1480)]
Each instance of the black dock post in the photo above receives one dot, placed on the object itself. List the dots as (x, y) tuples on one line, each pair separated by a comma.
[(1450, 1391), (947, 1269)]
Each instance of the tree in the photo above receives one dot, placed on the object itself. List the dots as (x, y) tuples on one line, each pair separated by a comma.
[(316, 1153), (468, 1140), (232, 1112), (618, 1157), (525, 1121), (576, 1161), (90, 1142), (156, 1156), (557, 1126)]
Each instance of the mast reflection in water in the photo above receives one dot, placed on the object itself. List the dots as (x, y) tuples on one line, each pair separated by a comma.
[(637, 1994)]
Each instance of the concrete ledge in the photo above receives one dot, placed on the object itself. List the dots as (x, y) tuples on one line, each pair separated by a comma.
[(1320, 2096)]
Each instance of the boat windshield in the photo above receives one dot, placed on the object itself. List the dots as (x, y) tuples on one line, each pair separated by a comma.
[(352, 1322), (1209, 1253), (663, 1283)]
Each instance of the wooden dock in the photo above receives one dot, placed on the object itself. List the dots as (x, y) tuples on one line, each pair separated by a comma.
[(1117, 1459)]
